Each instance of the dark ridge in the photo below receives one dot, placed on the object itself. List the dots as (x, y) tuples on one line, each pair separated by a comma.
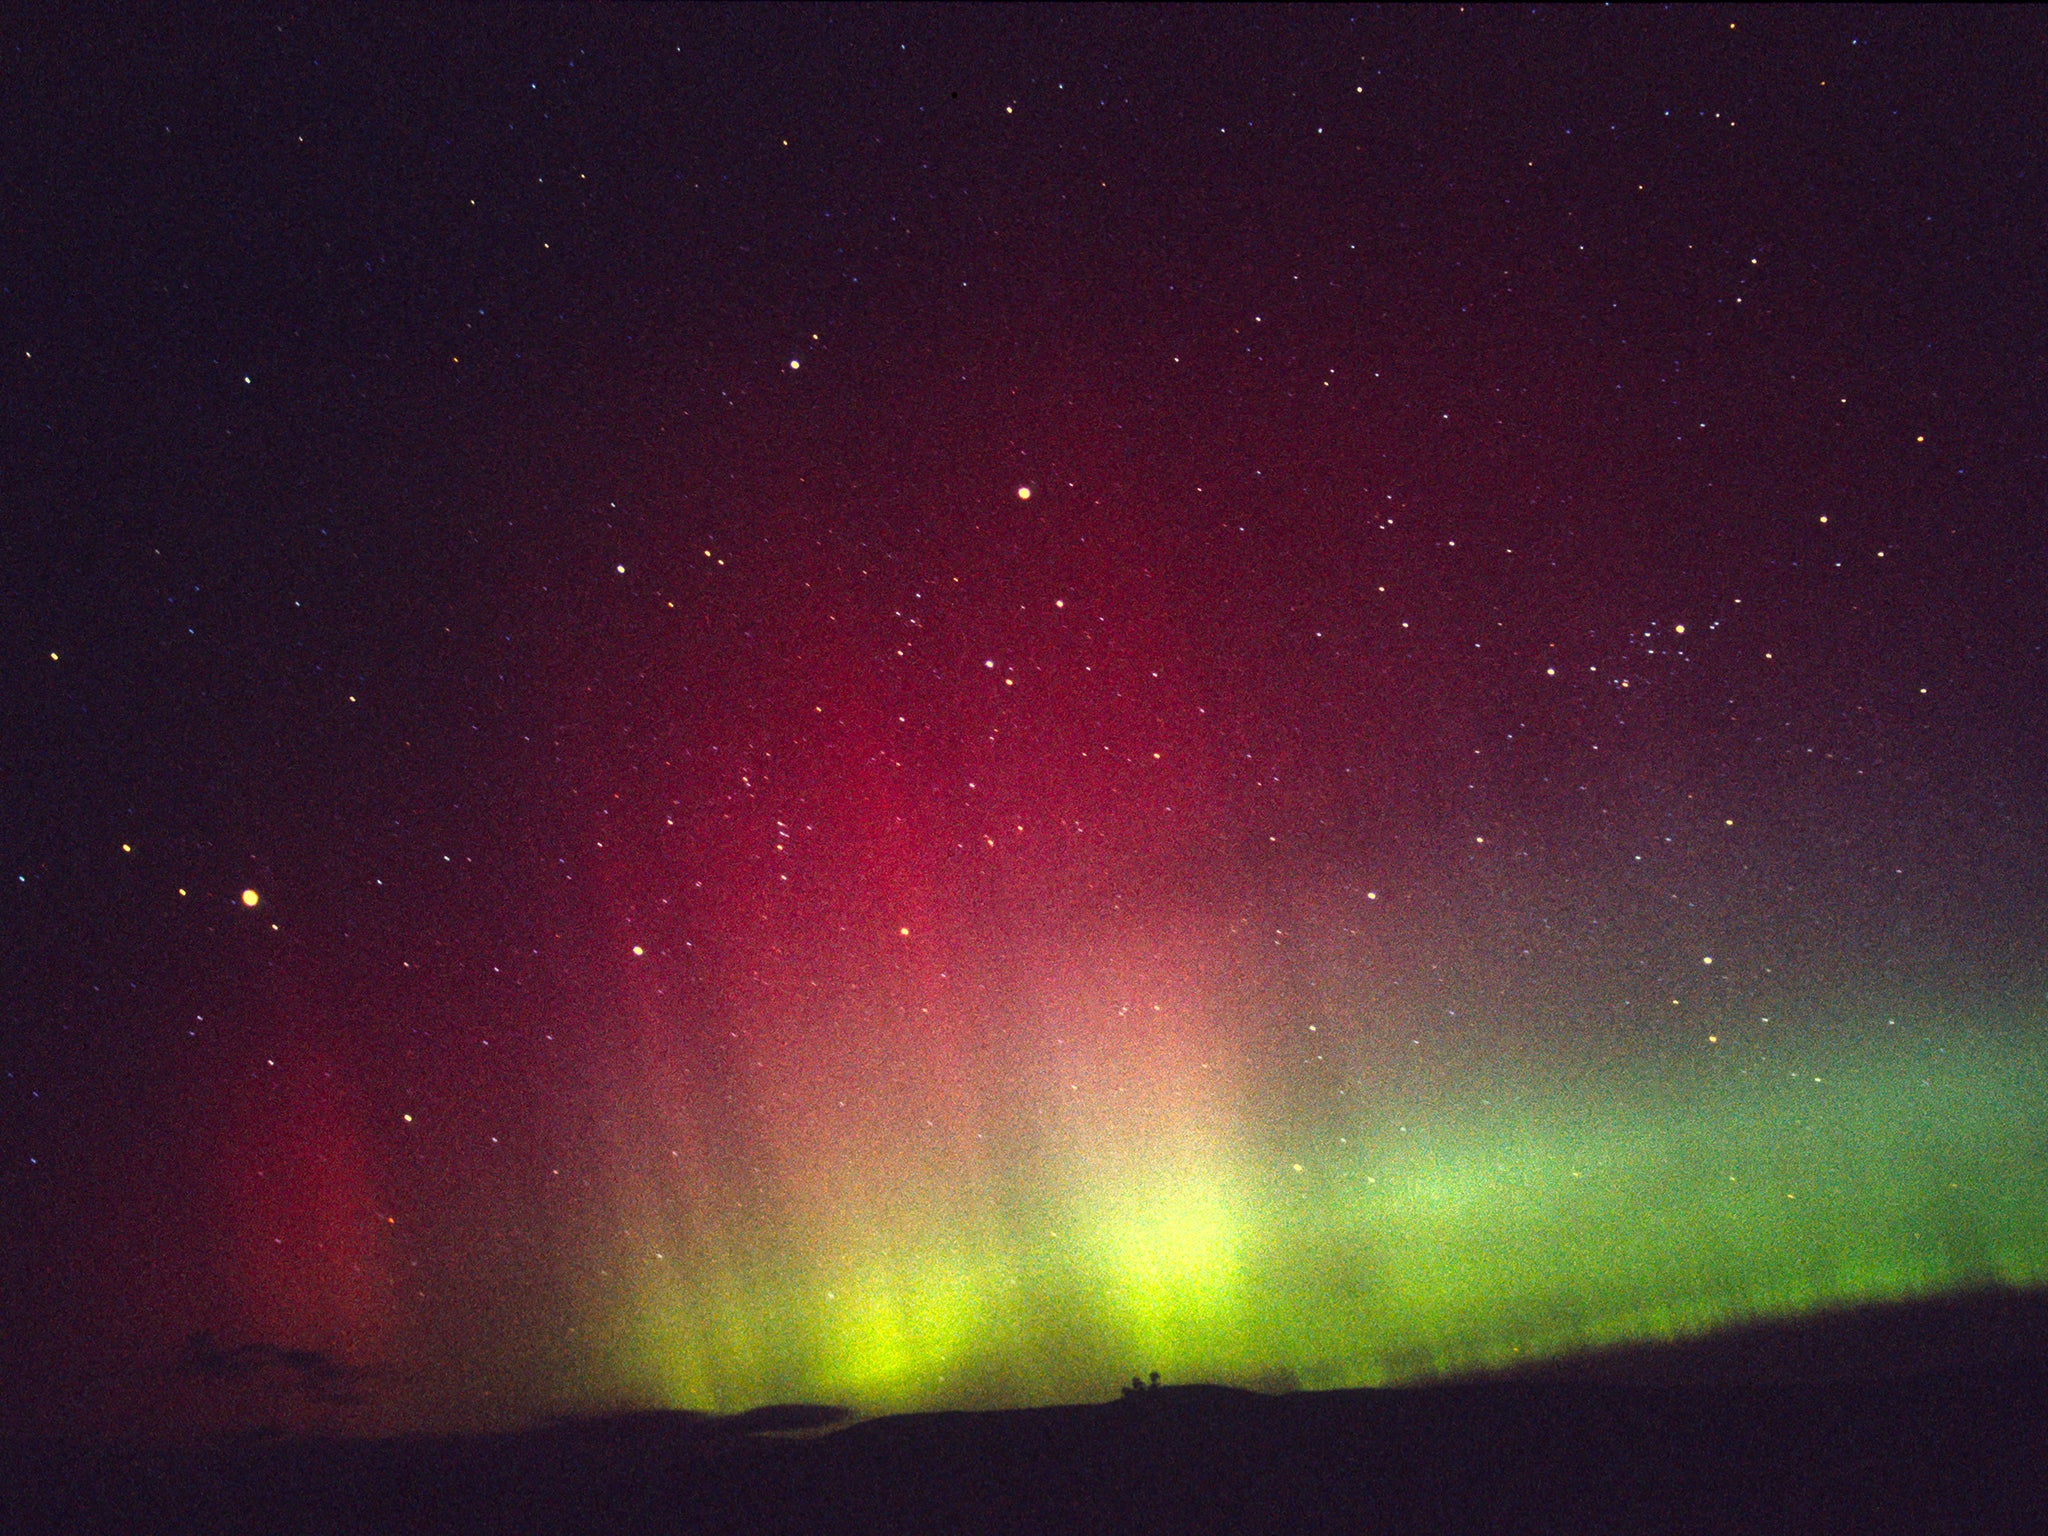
[(1905, 1338), (1771, 1429), (786, 1418)]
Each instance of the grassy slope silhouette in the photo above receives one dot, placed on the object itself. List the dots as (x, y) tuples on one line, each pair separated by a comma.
[(1924, 1417)]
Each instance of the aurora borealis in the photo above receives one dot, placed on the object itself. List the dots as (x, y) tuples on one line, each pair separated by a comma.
[(924, 708)]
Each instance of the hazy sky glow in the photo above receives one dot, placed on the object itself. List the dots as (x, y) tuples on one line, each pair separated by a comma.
[(919, 708)]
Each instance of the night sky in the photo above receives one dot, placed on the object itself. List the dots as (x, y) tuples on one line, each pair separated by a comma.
[(926, 707)]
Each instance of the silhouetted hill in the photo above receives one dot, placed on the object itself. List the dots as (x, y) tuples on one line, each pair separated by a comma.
[(1779, 1429), (1900, 1339)]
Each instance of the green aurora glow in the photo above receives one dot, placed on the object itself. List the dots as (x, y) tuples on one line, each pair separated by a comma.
[(1460, 1231)]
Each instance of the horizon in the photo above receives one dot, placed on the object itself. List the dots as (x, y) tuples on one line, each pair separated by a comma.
[(1923, 1340)]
